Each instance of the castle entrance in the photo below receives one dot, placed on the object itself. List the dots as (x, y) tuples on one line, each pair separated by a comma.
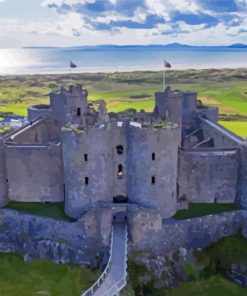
[(120, 199), (120, 217)]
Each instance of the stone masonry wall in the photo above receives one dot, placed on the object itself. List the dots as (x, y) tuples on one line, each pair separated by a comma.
[(208, 175), (162, 238), (40, 132), (96, 143), (34, 173), (222, 137), (40, 237), (3, 177), (242, 181), (163, 143)]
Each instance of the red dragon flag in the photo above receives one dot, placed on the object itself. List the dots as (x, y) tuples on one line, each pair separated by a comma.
[(72, 65), (167, 64)]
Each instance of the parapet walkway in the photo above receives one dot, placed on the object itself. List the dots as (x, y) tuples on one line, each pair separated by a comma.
[(113, 279)]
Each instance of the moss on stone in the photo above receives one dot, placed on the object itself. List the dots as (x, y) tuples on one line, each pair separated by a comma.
[(5, 130), (76, 128), (52, 210), (165, 124), (202, 209)]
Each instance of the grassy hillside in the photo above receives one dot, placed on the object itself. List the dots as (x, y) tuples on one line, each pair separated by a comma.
[(225, 88), (41, 277)]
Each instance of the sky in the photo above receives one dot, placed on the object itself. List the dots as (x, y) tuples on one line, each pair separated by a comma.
[(93, 22)]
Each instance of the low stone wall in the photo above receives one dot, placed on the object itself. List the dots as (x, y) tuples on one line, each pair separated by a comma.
[(47, 238), (87, 240), (191, 233)]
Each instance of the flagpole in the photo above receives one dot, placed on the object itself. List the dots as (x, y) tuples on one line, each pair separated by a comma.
[(69, 74), (164, 79)]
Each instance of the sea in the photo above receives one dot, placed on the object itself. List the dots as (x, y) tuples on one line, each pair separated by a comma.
[(109, 58)]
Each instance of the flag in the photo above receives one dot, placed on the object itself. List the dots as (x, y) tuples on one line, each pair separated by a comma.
[(166, 64), (72, 65)]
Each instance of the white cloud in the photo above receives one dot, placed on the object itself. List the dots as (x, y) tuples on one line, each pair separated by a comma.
[(242, 3), (72, 28), (165, 7), (69, 2)]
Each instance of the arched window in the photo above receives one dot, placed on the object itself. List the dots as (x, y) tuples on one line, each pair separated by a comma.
[(153, 156), (120, 171), (120, 149), (153, 181)]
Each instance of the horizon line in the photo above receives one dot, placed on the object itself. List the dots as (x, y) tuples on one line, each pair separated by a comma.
[(129, 45)]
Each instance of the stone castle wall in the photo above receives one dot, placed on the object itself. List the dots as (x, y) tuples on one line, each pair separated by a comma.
[(169, 105), (39, 132), (142, 143), (34, 173), (38, 111), (139, 171), (149, 234), (242, 177), (208, 175), (98, 168), (47, 238), (64, 105), (223, 138), (3, 177)]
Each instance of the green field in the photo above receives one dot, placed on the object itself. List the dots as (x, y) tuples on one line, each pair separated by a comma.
[(238, 127), (52, 210), (214, 286), (224, 88), (42, 278)]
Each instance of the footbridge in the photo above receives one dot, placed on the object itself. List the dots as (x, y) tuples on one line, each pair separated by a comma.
[(113, 279)]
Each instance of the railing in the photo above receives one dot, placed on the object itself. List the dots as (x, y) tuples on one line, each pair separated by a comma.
[(191, 134), (114, 290), (91, 290), (117, 287)]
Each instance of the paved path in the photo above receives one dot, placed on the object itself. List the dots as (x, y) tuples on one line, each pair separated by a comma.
[(115, 279)]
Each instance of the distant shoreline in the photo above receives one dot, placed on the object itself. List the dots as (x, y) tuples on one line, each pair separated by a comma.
[(108, 59), (63, 72)]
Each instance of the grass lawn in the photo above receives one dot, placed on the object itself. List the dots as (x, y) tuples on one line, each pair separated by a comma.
[(4, 130), (52, 210), (228, 250), (224, 88), (202, 209), (208, 281), (238, 127), (42, 278), (214, 286)]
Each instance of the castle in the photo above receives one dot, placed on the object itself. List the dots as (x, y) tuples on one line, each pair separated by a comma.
[(75, 151)]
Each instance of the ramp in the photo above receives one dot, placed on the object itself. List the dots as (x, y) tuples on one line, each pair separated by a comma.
[(113, 279)]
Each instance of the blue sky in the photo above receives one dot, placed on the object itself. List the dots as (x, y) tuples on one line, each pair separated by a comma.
[(90, 22)]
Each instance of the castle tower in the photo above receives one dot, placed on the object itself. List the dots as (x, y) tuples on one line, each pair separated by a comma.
[(70, 105), (169, 105)]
